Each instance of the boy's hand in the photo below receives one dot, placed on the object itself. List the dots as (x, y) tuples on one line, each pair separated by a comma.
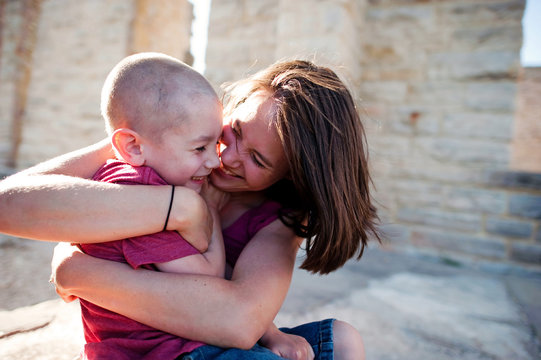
[(62, 252), (287, 345)]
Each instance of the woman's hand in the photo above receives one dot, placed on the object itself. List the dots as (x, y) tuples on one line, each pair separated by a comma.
[(214, 197), (289, 346), (62, 253)]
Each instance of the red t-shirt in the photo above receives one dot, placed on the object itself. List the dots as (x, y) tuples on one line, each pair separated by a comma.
[(113, 336)]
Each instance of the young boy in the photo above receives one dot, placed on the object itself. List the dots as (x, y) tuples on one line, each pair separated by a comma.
[(164, 120)]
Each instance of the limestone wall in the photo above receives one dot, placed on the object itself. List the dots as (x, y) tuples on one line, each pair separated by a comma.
[(76, 45), (454, 141), (437, 81), (440, 86), (526, 145)]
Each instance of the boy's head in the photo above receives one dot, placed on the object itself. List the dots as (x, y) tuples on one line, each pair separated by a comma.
[(163, 114)]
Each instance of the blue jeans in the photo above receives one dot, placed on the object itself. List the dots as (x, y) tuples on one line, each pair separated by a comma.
[(318, 334)]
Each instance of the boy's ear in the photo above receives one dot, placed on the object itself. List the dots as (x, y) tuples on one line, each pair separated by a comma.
[(128, 146)]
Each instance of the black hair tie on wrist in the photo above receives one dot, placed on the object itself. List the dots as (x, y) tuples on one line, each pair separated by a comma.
[(170, 206)]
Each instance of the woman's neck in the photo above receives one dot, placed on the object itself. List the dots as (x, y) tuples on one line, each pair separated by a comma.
[(238, 204), (249, 199)]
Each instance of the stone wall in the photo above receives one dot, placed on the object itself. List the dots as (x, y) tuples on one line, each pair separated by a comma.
[(76, 44), (437, 81), (440, 84), (450, 121), (526, 145)]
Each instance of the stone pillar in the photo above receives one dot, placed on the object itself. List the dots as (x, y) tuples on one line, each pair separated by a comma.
[(247, 35), (526, 144), (17, 41), (78, 43), (241, 38), (326, 32), (163, 26), (50, 83)]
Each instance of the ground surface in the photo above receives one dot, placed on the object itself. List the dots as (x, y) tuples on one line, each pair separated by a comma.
[(406, 306)]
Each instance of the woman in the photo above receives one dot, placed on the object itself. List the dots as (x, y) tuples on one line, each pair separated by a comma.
[(291, 137)]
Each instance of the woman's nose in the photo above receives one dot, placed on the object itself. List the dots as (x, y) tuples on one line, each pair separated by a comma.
[(227, 135), (229, 154)]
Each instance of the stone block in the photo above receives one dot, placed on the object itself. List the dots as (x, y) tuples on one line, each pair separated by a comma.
[(456, 221), (423, 168), (389, 91), (466, 151), (490, 96), (417, 16), (416, 193), (476, 200), (443, 93), (490, 37), (525, 205), (509, 227), (526, 154), (407, 119), (527, 253), (389, 146), (461, 243), (482, 12), (479, 125), (258, 9), (471, 65), (526, 145), (514, 180)]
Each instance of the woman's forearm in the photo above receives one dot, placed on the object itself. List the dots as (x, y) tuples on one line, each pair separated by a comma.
[(61, 208), (220, 312), (52, 201), (198, 307)]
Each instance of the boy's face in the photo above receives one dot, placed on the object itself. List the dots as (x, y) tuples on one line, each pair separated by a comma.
[(187, 154)]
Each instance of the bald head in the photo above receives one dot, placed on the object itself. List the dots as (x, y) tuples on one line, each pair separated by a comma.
[(150, 93)]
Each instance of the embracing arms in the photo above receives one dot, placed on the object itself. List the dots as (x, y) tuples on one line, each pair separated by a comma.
[(233, 313), (54, 201)]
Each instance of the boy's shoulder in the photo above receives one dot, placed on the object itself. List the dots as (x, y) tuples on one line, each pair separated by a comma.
[(120, 172)]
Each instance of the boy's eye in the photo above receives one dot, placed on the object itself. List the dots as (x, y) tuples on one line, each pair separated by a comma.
[(200, 149)]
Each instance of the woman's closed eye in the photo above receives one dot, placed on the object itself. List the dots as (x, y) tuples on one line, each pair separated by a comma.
[(256, 161), (235, 128), (237, 131)]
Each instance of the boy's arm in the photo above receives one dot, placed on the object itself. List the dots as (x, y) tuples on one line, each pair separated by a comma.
[(211, 262), (285, 345)]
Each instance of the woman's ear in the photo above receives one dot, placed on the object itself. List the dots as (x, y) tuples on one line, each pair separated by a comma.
[(128, 146)]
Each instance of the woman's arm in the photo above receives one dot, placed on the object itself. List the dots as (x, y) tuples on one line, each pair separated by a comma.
[(225, 313), (53, 201)]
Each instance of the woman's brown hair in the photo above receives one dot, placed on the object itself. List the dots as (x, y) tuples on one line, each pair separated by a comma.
[(327, 199)]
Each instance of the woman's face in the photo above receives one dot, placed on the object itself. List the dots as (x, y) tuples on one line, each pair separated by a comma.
[(251, 151)]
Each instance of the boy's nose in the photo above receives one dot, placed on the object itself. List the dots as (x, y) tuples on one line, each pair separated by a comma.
[(213, 161)]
